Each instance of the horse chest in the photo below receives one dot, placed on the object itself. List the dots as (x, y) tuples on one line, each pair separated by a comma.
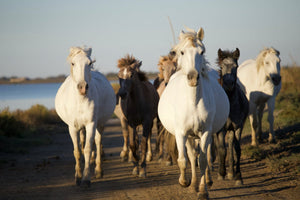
[(133, 112), (82, 113)]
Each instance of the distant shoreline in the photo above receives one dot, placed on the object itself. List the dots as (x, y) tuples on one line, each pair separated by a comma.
[(57, 79)]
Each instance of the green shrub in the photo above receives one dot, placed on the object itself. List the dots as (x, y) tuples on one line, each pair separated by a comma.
[(9, 125)]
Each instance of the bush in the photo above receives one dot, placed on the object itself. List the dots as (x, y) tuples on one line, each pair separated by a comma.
[(9, 125), (18, 122)]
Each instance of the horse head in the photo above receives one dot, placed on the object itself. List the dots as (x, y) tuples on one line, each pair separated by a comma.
[(167, 67), (189, 52), (81, 65), (128, 73), (269, 61), (228, 62)]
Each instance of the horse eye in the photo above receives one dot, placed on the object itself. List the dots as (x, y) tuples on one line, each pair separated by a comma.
[(72, 64), (267, 63), (182, 53)]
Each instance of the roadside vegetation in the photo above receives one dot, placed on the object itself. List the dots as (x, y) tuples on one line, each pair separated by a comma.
[(19, 130), (285, 154)]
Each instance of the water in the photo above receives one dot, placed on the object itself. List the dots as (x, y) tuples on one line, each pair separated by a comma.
[(23, 96)]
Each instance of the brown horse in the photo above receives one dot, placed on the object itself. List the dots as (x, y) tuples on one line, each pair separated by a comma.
[(139, 101), (167, 66)]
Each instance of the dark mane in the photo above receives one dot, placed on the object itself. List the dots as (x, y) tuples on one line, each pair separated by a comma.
[(142, 76)]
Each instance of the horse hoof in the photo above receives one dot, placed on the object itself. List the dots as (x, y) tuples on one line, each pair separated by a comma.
[(272, 140), (220, 178), (78, 181), (230, 176), (202, 196), (99, 174), (238, 182), (123, 156), (142, 175), (184, 183), (86, 184), (135, 172), (149, 158), (168, 163), (209, 184), (254, 143)]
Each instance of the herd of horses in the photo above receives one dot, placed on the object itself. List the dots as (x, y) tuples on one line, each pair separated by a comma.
[(193, 106)]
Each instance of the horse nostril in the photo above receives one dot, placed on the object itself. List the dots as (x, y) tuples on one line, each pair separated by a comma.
[(276, 79), (82, 87)]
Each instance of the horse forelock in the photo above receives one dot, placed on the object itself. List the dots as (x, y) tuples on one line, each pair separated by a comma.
[(129, 60), (261, 56), (79, 50), (188, 39)]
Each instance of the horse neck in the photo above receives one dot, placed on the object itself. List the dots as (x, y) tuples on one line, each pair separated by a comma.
[(135, 93)]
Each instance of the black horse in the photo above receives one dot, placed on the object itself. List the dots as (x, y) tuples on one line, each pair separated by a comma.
[(239, 108)]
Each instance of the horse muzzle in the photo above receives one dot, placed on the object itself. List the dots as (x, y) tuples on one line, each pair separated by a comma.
[(83, 88), (193, 78), (276, 79)]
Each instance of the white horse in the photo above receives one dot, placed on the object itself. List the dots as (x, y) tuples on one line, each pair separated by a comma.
[(261, 82), (85, 100), (193, 105)]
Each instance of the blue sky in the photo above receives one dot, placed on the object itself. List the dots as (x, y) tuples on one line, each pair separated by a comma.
[(35, 35)]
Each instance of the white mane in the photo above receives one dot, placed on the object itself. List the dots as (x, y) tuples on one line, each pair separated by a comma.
[(261, 56)]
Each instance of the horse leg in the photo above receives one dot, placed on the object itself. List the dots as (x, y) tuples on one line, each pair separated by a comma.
[(182, 157), (271, 106), (160, 140), (191, 154), (82, 139), (172, 153), (124, 152), (260, 112), (134, 146), (90, 138), (253, 123), (98, 141), (147, 127), (220, 144), (77, 154), (209, 168), (237, 147), (230, 173), (149, 148), (206, 140)]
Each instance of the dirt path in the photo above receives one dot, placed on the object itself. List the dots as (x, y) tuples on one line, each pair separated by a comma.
[(47, 172)]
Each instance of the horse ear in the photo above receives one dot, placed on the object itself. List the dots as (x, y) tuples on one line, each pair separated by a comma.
[(181, 34), (200, 34), (88, 51), (220, 54), (236, 54), (139, 64)]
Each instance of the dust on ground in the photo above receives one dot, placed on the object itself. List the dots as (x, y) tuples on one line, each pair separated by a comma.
[(47, 172)]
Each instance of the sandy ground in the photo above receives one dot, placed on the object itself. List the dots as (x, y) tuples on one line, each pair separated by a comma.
[(47, 172)]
